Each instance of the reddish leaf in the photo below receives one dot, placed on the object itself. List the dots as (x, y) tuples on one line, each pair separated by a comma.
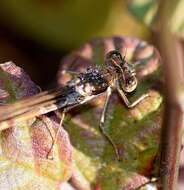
[(24, 147)]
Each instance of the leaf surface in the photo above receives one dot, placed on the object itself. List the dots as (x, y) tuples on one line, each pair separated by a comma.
[(24, 147), (134, 131)]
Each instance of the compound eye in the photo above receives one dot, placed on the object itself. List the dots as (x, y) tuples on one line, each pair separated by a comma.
[(115, 55), (129, 85), (130, 82)]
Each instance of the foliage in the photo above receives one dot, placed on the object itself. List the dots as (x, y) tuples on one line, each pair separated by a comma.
[(135, 131), (146, 11)]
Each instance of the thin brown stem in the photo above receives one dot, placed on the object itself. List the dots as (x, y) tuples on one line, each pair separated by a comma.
[(173, 124)]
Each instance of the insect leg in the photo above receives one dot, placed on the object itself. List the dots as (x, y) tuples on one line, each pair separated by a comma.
[(127, 102), (56, 136), (102, 120)]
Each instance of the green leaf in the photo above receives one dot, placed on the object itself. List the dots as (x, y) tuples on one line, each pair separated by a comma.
[(134, 131), (93, 164), (146, 11)]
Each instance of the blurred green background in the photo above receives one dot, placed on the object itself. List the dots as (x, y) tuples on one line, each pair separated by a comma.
[(37, 34)]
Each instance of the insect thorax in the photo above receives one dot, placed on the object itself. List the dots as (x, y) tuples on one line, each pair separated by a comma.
[(92, 82)]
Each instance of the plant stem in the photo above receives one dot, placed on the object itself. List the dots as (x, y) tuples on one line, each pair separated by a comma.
[(173, 124)]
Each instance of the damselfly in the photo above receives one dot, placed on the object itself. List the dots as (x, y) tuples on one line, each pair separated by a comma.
[(115, 74)]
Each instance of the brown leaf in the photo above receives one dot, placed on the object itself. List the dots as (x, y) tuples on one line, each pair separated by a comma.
[(24, 147)]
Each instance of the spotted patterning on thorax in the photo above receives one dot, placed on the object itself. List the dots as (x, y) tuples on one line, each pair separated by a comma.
[(82, 88), (91, 82)]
